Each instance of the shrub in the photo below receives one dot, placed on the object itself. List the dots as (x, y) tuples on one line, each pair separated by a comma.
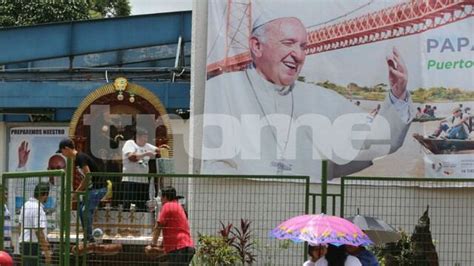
[(231, 246)]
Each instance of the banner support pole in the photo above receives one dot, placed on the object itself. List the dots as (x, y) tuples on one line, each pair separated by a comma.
[(324, 186)]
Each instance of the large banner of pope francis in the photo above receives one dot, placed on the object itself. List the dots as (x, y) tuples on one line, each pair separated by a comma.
[(377, 88)]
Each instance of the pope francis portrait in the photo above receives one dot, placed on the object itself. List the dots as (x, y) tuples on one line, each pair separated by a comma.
[(262, 120)]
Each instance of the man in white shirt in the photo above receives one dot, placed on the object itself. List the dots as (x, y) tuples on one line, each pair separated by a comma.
[(136, 155), (292, 118), (34, 227)]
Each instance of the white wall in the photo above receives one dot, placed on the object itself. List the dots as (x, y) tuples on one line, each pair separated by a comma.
[(265, 203)]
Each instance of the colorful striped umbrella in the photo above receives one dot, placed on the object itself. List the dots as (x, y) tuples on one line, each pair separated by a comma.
[(321, 229)]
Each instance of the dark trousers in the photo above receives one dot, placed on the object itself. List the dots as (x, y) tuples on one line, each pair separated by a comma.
[(180, 257), (133, 192), (30, 249)]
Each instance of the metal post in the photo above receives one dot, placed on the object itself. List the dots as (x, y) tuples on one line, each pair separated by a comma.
[(62, 215), (2, 214), (306, 210), (342, 197), (85, 217), (324, 186), (67, 210), (178, 55)]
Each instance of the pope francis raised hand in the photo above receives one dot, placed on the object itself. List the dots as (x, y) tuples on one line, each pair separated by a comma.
[(263, 121)]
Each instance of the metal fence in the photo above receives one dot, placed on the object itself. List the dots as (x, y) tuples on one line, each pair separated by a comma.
[(402, 202), (332, 206), (22, 206), (211, 202), (125, 220), (122, 223)]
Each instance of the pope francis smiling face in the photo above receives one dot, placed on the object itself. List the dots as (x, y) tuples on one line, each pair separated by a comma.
[(277, 49)]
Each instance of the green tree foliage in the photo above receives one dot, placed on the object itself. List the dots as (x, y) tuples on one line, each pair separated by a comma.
[(440, 94), (399, 253), (420, 95), (378, 92), (21, 13), (353, 91), (110, 8), (215, 250), (31, 12), (302, 78)]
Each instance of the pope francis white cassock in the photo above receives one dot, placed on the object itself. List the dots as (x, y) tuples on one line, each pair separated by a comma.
[(261, 121)]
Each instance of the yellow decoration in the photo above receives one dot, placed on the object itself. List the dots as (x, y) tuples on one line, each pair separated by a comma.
[(120, 84), (164, 151), (108, 194)]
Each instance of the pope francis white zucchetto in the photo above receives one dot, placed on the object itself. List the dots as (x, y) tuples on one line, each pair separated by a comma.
[(264, 11)]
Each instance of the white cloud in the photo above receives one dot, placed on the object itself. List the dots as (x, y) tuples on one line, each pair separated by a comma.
[(140, 7)]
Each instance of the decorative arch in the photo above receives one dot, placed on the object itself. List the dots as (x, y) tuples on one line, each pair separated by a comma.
[(146, 102)]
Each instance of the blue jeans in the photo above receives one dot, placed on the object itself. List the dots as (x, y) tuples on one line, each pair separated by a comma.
[(444, 127), (457, 132), (93, 199)]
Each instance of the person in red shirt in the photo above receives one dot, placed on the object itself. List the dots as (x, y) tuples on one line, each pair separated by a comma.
[(173, 222)]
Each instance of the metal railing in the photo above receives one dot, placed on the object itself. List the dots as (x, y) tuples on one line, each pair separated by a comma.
[(265, 201), (448, 203), (24, 180), (211, 201)]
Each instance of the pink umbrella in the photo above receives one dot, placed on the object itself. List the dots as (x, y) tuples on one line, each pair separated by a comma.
[(321, 229)]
